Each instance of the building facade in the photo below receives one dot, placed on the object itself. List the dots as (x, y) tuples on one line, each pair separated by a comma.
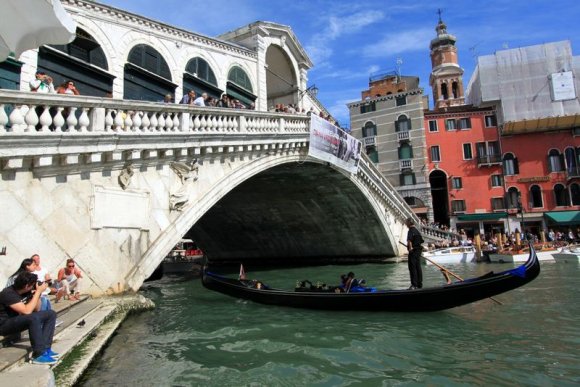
[(535, 92), (389, 121)]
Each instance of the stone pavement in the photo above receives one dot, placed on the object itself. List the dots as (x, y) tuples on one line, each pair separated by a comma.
[(77, 343)]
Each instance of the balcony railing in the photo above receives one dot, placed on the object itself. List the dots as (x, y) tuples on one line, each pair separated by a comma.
[(370, 141), (406, 164), (488, 160), (403, 136)]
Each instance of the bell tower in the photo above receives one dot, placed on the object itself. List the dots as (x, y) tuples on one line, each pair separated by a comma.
[(446, 78)]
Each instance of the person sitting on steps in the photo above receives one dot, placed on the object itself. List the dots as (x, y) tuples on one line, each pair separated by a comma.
[(69, 278), (17, 315)]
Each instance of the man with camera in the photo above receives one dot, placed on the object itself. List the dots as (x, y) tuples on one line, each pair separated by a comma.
[(42, 83), (20, 310)]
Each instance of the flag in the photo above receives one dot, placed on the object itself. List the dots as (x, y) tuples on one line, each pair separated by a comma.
[(242, 272)]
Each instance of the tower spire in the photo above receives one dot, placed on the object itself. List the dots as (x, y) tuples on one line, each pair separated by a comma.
[(446, 78)]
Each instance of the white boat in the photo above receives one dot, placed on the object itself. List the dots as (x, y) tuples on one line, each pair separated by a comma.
[(509, 257), (567, 254), (184, 257), (450, 255)]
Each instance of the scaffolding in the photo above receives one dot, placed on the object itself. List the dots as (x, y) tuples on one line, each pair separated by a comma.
[(529, 83)]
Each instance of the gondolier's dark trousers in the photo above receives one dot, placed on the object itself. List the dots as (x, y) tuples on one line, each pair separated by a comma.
[(415, 271)]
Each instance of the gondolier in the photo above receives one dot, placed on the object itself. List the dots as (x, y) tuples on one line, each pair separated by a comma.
[(414, 241)]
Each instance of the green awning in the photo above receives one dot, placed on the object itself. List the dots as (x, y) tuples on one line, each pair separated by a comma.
[(563, 218), (486, 216)]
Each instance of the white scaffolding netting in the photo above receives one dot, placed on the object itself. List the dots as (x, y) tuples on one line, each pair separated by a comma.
[(528, 83)]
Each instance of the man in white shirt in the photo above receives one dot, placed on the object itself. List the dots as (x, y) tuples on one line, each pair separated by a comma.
[(200, 101), (44, 276)]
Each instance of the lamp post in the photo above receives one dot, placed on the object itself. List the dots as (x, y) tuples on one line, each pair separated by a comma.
[(312, 90)]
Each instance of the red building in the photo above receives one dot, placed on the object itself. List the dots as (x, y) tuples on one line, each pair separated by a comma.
[(465, 169), (542, 176)]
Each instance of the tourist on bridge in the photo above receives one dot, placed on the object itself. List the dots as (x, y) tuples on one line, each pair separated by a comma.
[(42, 83), (188, 98), (17, 315)]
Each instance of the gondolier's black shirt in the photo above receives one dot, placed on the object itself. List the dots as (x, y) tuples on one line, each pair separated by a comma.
[(415, 237)]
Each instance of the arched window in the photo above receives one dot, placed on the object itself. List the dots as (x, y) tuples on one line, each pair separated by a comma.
[(405, 152), (240, 78), (561, 195), (455, 89), (536, 196), (571, 161), (82, 61), (239, 86), (373, 154), (512, 197), (85, 48), (444, 92), (147, 76), (403, 123), (149, 59), (369, 130), (202, 70), (555, 161), (575, 194), (510, 164)]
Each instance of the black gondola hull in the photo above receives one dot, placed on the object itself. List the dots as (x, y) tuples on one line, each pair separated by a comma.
[(418, 300)]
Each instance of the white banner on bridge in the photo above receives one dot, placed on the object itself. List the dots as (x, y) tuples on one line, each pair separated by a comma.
[(334, 145)]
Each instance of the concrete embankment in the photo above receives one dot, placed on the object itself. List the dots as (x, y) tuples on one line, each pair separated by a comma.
[(84, 329)]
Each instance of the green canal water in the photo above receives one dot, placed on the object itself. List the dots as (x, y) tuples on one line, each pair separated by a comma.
[(196, 337)]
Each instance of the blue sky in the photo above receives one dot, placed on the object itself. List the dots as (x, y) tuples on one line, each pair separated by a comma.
[(347, 41)]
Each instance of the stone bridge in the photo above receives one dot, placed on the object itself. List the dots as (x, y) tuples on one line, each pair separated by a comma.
[(115, 184)]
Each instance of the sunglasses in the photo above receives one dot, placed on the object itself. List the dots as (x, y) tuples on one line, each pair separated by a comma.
[(70, 265)]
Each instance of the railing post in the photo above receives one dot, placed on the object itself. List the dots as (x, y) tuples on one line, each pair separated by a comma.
[(242, 125), (281, 125), (184, 122), (97, 120)]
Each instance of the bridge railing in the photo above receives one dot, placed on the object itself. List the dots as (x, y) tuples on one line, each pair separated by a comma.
[(385, 190), (33, 113)]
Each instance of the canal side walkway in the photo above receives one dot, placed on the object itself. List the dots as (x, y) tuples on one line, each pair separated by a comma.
[(84, 328)]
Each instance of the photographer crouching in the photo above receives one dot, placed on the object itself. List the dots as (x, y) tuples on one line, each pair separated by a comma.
[(20, 310)]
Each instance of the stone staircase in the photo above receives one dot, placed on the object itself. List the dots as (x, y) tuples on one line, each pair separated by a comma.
[(77, 344)]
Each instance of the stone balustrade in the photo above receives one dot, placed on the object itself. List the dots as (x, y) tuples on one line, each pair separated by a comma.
[(62, 116), (437, 234)]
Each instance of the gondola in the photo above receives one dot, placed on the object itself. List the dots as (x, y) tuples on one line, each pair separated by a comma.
[(370, 299)]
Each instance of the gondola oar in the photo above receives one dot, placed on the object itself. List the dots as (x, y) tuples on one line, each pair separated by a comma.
[(450, 273)]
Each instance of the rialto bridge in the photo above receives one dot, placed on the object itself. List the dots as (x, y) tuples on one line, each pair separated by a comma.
[(115, 184)]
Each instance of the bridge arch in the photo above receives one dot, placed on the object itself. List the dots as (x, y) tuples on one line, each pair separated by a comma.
[(244, 217)]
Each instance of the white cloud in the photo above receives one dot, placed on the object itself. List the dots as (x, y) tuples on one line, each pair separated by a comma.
[(319, 47), (397, 43)]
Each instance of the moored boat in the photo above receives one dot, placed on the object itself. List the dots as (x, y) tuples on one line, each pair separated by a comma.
[(450, 255), (184, 257), (371, 299), (519, 257), (567, 254)]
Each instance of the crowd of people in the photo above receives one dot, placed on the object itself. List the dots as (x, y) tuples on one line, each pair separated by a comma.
[(25, 305), (509, 241), (43, 83)]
